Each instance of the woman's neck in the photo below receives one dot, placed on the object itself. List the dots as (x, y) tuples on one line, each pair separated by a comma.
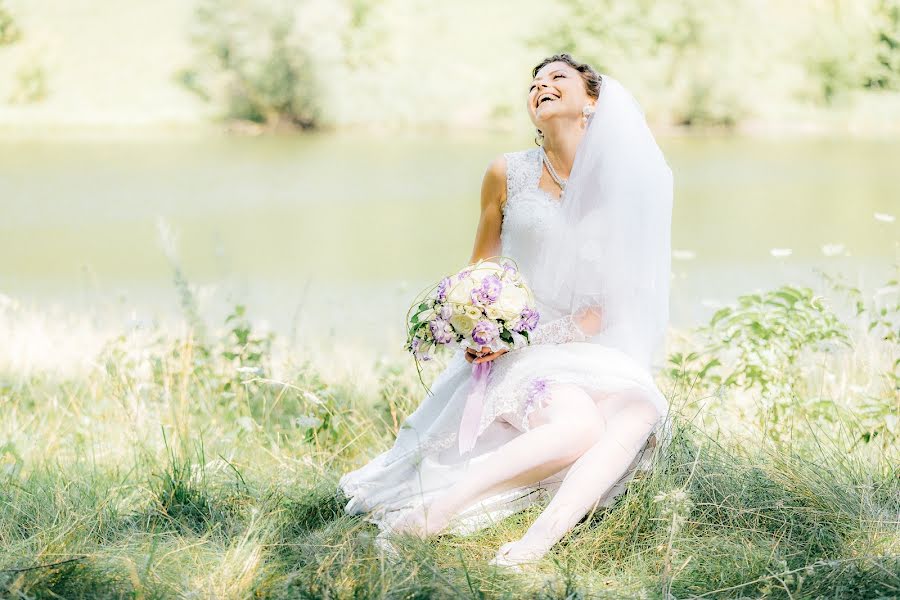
[(560, 143)]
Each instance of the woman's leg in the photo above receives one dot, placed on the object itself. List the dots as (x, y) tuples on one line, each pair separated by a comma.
[(559, 433), (630, 419)]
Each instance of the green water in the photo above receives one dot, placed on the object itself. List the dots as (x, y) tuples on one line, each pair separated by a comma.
[(303, 227)]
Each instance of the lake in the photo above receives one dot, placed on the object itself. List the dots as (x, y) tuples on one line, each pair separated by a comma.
[(335, 234)]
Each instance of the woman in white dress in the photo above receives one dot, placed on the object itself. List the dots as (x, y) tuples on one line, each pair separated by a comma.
[(569, 419)]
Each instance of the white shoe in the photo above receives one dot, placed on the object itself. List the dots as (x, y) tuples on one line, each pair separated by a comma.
[(383, 542), (503, 559)]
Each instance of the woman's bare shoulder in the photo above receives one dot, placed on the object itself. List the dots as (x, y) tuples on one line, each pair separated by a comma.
[(493, 188), (497, 173)]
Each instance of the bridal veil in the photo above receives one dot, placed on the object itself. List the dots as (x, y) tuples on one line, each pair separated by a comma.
[(610, 253)]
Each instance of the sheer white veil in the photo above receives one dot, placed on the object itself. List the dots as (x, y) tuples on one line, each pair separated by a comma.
[(610, 253)]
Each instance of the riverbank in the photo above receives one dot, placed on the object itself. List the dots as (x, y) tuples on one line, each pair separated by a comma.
[(400, 69)]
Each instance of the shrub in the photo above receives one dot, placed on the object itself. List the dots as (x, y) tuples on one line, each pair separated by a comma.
[(251, 65)]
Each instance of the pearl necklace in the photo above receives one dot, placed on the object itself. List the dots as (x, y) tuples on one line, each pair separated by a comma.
[(559, 181)]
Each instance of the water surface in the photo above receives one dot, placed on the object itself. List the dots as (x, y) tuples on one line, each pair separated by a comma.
[(337, 233)]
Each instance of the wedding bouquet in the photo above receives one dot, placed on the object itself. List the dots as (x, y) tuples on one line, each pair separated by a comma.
[(486, 304)]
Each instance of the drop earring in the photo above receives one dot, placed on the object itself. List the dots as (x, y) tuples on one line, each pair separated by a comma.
[(586, 112), (539, 136)]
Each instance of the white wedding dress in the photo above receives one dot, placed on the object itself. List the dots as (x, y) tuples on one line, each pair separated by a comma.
[(425, 459)]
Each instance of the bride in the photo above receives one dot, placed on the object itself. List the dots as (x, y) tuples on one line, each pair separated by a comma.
[(568, 420)]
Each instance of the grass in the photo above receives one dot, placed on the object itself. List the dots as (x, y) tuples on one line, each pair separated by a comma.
[(173, 468)]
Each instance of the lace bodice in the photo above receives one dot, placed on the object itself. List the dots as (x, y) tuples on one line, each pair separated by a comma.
[(528, 215), (528, 211)]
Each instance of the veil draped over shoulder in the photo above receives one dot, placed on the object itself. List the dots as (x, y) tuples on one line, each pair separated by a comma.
[(610, 253)]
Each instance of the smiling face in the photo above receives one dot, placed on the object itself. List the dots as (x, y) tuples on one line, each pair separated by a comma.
[(557, 90)]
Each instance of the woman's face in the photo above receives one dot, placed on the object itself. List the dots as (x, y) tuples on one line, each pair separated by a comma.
[(557, 90)]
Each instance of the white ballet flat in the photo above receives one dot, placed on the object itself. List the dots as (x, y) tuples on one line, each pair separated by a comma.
[(502, 559), (383, 542)]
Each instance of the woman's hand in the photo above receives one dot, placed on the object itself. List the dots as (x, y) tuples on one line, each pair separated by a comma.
[(484, 355), (589, 319)]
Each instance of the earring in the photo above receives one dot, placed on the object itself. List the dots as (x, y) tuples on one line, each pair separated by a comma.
[(539, 136), (586, 112)]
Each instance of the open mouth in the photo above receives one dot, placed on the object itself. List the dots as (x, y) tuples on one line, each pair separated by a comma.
[(546, 97)]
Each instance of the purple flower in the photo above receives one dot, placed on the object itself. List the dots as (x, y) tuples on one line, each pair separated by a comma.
[(485, 332), (442, 289), (509, 268), (446, 312), (528, 320), (417, 350), (488, 291), (442, 331), (538, 392)]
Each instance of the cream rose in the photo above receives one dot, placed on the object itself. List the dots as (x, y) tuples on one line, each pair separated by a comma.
[(461, 292), (473, 312), (513, 300), (484, 269), (494, 312), (462, 323)]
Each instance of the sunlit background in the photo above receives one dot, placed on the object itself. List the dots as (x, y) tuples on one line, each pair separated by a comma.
[(320, 161), (214, 215)]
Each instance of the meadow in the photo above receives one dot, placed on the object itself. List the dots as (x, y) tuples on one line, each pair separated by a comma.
[(200, 461), (197, 454)]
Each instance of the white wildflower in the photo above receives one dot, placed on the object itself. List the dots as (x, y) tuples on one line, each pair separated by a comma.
[(832, 249), (683, 254), (312, 398), (307, 422)]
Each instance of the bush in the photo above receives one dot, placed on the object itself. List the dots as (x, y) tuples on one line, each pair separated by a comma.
[(250, 64), (9, 30)]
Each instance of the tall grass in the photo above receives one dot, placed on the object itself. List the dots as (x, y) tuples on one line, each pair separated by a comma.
[(178, 467)]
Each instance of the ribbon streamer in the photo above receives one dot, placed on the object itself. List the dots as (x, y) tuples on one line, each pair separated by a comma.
[(471, 417)]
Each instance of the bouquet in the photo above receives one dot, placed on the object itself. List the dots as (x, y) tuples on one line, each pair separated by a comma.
[(487, 304)]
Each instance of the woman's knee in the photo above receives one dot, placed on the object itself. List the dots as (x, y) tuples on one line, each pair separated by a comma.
[(636, 402), (635, 421), (565, 401), (570, 405)]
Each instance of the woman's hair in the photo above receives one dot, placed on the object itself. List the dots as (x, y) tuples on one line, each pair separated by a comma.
[(589, 75)]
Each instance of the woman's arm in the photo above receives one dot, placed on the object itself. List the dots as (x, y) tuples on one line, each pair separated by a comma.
[(577, 327), (493, 195), (487, 236), (571, 328)]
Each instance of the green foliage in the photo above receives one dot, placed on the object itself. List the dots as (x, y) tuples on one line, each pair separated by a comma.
[(180, 497), (717, 62), (879, 314), (880, 317), (769, 332), (163, 474), (246, 351), (661, 42), (9, 29), (250, 63), (886, 70), (861, 54), (758, 344), (397, 397), (30, 85)]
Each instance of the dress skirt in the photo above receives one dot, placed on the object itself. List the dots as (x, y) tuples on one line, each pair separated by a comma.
[(425, 460)]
